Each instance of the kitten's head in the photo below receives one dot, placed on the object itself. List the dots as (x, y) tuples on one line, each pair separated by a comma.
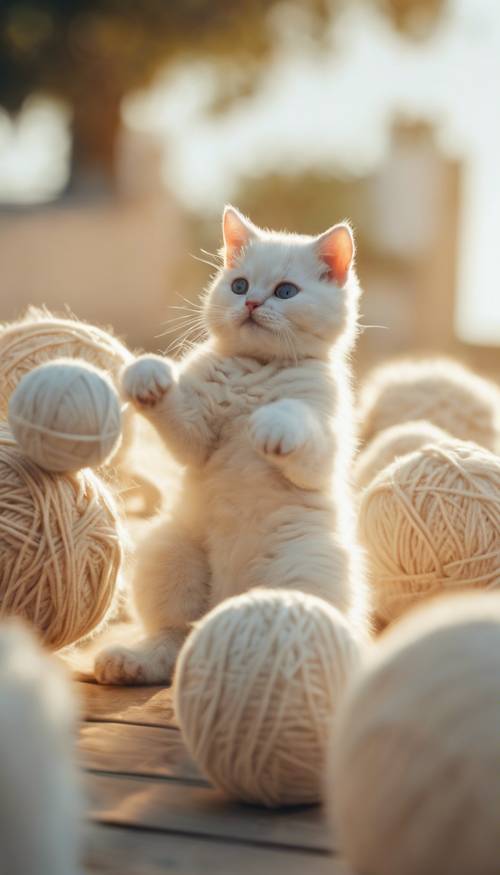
[(282, 295)]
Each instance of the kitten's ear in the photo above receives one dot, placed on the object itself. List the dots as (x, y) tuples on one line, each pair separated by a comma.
[(237, 231), (336, 248)]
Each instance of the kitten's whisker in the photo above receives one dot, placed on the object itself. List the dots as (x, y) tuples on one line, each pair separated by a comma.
[(186, 311), (178, 325), (184, 324), (191, 308), (190, 334), (183, 317), (218, 257), (187, 341), (187, 300), (205, 261)]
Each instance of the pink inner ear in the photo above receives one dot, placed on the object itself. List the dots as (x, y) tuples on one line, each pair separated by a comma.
[(236, 236), (336, 248)]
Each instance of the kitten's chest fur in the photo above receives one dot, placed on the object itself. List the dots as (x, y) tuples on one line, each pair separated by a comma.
[(238, 386)]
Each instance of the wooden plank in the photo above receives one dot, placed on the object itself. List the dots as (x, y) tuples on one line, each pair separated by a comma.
[(201, 811), (143, 706), (147, 751), (114, 851)]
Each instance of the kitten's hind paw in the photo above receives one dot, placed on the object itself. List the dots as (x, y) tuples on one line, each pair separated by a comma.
[(151, 661), (120, 666), (147, 380)]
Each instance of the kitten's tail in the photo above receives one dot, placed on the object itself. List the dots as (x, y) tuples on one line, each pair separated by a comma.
[(39, 794)]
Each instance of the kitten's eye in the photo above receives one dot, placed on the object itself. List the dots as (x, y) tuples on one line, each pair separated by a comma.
[(286, 290), (239, 286)]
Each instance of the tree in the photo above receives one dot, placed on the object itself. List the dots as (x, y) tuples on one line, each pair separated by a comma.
[(91, 53)]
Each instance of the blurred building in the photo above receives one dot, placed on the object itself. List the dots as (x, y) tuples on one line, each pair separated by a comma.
[(123, 259), (409, 217), (409, 260), (110, 259)]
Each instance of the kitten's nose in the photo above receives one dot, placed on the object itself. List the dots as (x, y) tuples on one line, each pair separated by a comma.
[(251, 305)]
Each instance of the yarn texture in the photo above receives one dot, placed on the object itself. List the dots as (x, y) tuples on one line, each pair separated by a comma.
[(40, 337), (256, 687), (440, 391), (66, 415), (414, 777), (390, 444), (60, 547), (431, 522)]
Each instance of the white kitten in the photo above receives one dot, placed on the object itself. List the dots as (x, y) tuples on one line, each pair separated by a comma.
[(260, 416), (39, 794)]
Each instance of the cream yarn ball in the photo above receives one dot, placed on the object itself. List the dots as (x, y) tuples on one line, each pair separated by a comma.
[(257, 684), (42, 810), (430, 522), (65, 415), (40, 337), (390, 444), (440, 391), (414, 777), (60, 547)]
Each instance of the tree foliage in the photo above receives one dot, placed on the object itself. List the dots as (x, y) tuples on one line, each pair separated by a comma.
[(91, 53)]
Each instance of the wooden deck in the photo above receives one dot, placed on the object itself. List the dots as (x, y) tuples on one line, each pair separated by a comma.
[(150, 811)]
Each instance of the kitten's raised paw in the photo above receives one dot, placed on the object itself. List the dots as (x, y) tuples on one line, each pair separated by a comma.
[(147, 380), (277, 429), (120, 666)]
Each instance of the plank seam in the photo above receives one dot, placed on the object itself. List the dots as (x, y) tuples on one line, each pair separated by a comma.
[(169, 779), (230, 840), (120, 722)]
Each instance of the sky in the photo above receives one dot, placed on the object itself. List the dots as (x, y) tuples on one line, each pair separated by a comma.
[(330, 111)]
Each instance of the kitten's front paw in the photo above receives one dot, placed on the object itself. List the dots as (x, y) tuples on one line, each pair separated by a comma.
[(147, 380), (278, 429), (119, 665)]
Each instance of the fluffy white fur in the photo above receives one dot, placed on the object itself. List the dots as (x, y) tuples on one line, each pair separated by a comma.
[(39, 793), (260, 416)]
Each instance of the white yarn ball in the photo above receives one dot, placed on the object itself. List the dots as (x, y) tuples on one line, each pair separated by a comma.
[(41, 812), (441, 391), (257, 684), (390, 444), (40, 336), (430, 523), (61, 547), (66, 415), (414, 781)]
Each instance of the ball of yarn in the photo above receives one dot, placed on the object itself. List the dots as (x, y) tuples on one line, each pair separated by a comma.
[(390, 444), (40, 337), (440, 391), (66, 415), (257, 684), (414, 777), (38, 773), (430, 522), (60, 547)]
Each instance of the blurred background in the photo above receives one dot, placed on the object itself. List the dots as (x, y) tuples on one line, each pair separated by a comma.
[(125, 127)]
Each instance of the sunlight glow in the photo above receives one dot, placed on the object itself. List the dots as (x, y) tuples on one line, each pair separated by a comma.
[(34, 152), (330, 111), (334, 112)]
